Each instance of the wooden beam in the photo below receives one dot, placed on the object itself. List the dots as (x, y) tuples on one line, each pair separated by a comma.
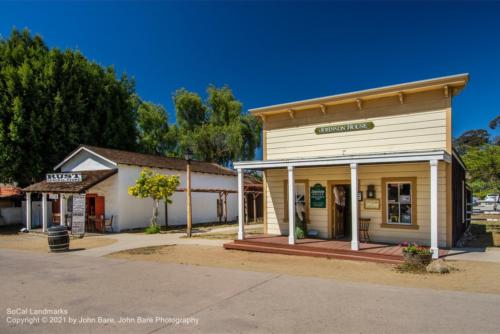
[(323, 108), (291, 113), (263, 117), (401, 98), (225, 207), (359, 103), (446, 91)]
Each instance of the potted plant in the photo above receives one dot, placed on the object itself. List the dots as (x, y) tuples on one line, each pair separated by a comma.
[(416, 255)]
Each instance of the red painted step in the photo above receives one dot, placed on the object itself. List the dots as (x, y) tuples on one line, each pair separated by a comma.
[(334, 254)]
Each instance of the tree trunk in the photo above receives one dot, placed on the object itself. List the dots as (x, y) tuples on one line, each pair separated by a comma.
[(154, 219)]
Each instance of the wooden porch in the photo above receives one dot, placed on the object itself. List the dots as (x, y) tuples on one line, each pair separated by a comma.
[(335, 249)]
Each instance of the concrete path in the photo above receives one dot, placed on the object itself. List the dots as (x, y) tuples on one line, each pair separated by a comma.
[(137, 240), (131, 240), (489, 254), (148, 297)]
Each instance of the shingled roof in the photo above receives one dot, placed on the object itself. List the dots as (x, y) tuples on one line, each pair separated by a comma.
[(89, 179), (155, 161)]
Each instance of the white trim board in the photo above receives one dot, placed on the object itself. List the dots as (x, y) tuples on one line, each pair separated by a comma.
[(78, 151), (346, 160)]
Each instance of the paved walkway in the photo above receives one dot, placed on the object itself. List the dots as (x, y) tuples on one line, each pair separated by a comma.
[(137, 240), (489, 254), (221, 300)]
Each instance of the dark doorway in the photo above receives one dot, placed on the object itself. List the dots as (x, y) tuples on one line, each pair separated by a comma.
[(341, 211)]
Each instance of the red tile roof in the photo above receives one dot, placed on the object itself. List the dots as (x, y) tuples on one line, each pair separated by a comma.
[(9, 191)]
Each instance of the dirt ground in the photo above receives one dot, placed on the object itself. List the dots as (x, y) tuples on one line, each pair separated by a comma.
[(38, 242), (465, 276)]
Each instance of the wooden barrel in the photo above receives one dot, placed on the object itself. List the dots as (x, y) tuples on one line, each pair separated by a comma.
[(58, 239)]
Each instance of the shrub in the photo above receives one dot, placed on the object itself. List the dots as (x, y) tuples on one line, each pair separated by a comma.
[(299, 233), (152, 229)]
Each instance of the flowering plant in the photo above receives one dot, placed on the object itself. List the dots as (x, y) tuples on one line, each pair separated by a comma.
[(414, 248)]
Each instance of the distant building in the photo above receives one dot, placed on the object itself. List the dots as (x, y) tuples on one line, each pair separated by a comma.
[(103, 175)]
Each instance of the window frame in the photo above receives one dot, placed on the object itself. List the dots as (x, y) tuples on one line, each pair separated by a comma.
[(385, 203)]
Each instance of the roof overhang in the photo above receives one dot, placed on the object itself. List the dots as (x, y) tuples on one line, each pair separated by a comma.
[(348, 159), (78, 150), (451, 85)]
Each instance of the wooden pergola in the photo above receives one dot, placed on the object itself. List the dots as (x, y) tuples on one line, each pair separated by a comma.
[(253, 187)]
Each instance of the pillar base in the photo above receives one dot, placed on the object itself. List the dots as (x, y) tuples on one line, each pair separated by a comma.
[(355, 245), (435, 253), (291, 240), (241, 236)]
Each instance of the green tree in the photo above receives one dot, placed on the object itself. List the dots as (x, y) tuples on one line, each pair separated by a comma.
[(157, 187), (471, 139), (191, 112), (224, 133), (153, 130), (53, 100), (483, 166)]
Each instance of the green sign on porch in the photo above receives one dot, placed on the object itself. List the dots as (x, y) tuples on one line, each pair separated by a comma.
[(318, 196), (347, 127)]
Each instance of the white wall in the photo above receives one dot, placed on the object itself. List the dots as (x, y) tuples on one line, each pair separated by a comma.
[(85, 161), (135, 213), (10, 215), (36, 213)]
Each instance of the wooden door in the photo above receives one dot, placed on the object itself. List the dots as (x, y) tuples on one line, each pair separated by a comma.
[(99, 213), (339, 209)]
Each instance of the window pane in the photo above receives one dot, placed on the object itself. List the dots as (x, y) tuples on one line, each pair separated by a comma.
[(393, 213), (406, 213), (392, 192), (405, 189)]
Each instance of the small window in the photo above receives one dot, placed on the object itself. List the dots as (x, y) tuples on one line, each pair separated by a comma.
[(399, 203)]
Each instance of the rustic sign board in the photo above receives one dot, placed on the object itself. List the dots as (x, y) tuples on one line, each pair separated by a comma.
[(63, 177), (372, 204), (78, 217), (347, 127), (318, 196)]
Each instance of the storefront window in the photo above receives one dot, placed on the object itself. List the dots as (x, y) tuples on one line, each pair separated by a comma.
[(399, 203)]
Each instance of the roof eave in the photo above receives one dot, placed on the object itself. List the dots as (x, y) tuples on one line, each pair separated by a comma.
[(457, 82)]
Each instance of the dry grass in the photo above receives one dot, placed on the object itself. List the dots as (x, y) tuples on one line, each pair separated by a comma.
[(466, 276), (38, 242)]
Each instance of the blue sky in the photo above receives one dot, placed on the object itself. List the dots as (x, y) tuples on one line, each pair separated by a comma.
[(271, 53)]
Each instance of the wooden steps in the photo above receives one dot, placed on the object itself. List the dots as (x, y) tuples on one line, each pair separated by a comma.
[(301, 250)]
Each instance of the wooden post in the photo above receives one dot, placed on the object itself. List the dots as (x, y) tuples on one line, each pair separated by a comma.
[(166, 215), (246, 208), (219, 208), (188, 198), (225, 207), (254, 208), (28, 211)]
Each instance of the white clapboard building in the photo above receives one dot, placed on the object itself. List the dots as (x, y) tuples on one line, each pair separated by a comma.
[(100, 177)]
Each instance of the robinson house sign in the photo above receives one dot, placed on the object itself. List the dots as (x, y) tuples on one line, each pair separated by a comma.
[(347, 127)]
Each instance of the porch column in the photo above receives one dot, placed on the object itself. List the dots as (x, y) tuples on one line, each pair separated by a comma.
[(62, 209), (434, 209), (241, 209), (45, 216), (28, 211), (354, 207), (291, 205)]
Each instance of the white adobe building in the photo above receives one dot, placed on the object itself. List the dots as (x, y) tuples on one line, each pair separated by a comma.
[(104, 176)]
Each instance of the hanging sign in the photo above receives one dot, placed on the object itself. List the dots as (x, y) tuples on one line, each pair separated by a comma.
[(347, 127), (63, 177), (78, 216), (318, 196)]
